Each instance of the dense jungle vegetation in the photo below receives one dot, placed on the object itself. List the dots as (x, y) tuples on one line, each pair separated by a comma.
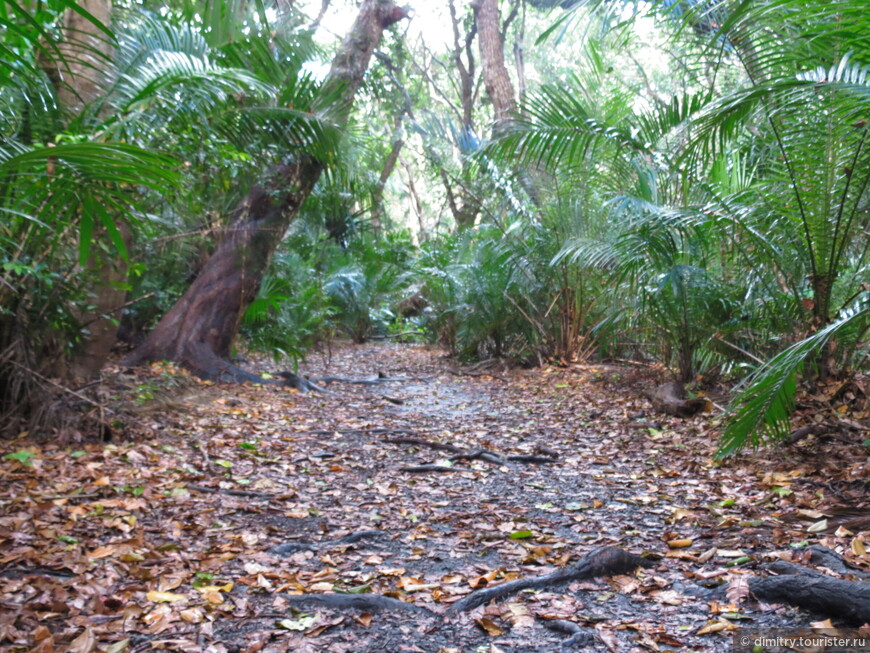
[(671, 182)]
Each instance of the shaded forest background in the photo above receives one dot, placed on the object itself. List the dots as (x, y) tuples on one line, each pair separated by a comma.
[(674, 183)]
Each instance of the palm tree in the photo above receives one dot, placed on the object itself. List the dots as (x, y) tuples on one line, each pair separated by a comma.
[(797, 122)]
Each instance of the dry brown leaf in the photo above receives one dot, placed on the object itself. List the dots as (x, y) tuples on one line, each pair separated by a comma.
[(164, 597), (84, 643), (489, 626), (738, 589), (716, 626), (680, 544)]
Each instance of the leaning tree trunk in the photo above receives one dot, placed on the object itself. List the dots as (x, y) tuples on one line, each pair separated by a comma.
[(198, 331)]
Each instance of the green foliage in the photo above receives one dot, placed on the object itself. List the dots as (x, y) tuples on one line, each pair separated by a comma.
[(762, 410), (291, 312), (365, 284)]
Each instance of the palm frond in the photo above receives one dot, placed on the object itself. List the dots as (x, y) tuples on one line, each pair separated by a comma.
[(761, 412)]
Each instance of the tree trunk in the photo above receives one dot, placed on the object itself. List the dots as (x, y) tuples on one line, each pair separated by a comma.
[(498, 83), (81, 76), (198, 331), (398, 143), (495, 73), (101, 319), (84, 73)]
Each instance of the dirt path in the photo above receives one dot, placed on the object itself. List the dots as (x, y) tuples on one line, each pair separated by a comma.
[(204, 536)]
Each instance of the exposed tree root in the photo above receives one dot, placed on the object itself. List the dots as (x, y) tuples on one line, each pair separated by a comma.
[(579, 636), (603, 561), (367, 602), (421, 469), (814, 591), (233, 493), (379, 380), (479, 454), (529, 458), (289, 548), (833, 430), (482, 454), (824, 557), (672, 399), (439, 446)]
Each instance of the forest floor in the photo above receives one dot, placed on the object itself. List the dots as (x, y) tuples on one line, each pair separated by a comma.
[(218, 524)]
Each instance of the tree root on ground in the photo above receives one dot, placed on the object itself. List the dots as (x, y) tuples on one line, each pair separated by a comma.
[(233, 493), (420, 469), (814, 591), (289, 548), (367, 602), (672, 399), (420, 442), (380, 379), (579, 636), (487, 455), (603, 561), (481, 454)]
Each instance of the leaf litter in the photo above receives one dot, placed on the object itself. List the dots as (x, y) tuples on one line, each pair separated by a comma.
[(248, 518)]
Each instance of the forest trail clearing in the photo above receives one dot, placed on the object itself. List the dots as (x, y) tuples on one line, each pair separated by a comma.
[(195, 537)]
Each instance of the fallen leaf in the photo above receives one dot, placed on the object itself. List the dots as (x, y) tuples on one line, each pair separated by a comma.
[(164, 597), (84, 643), (489, 626), (738, 589), (302, 623), (680, 544)]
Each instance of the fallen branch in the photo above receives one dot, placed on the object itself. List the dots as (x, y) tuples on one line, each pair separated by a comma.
[(603, 561)]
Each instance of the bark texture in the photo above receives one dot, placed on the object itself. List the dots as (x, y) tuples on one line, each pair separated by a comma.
[(495, 73), (198, 331)]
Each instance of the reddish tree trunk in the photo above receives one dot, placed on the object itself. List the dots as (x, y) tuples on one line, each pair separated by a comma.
[(198, 331)]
